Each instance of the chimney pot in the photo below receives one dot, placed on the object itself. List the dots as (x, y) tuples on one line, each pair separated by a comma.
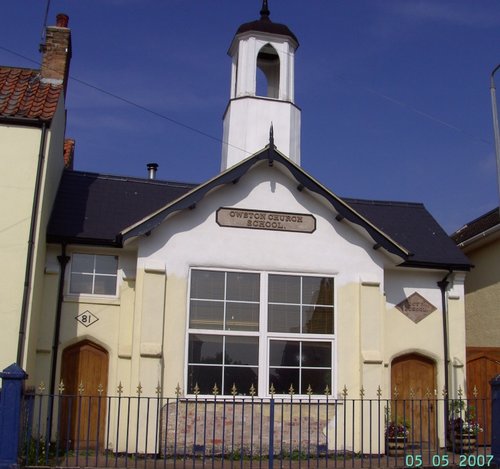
[(152, 168), (62, 20)]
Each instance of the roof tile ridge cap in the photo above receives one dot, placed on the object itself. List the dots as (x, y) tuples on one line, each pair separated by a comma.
[(160, 182), (19, 69), (401, 203), (484, 216), (79, 172), (117, 177)]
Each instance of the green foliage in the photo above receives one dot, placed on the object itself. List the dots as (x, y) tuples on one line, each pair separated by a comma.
[(38, 452)]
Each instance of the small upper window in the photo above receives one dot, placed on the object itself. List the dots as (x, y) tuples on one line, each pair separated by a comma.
[(93, 274)]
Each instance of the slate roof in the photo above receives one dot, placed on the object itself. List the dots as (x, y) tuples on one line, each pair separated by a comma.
[(477, 226), (24, 94), (411, 225), (93, 208)]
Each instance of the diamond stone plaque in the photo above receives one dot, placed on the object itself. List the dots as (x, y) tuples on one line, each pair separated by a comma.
[(416, 307), (87, 318)]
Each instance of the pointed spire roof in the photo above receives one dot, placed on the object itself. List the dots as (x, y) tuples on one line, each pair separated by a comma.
[(265, 25)]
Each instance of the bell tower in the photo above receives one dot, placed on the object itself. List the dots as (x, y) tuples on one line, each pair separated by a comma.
[(262, 91)]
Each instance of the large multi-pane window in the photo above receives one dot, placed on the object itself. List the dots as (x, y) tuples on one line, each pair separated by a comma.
[(260, 329), (93, 274)]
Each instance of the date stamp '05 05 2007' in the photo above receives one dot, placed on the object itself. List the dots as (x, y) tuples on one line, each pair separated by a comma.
[(443, 460)]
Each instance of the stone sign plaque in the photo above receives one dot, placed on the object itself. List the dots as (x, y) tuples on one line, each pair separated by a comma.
[(416, 307), (264, 220)]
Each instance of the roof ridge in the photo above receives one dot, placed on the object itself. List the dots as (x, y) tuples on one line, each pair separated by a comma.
[(20, 68), (481, 217), (124, 178), (384, 202)]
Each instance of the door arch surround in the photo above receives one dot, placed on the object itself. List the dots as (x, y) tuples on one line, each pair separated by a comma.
[(413, 396), (84, 372)]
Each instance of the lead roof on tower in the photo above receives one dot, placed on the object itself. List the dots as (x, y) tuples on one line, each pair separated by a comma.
[(265, 25)]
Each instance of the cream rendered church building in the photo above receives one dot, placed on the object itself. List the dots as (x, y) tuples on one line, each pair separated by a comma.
[(259, 278)]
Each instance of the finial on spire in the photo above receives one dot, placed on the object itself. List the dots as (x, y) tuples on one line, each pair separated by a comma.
[(271, 146), (264, 11)]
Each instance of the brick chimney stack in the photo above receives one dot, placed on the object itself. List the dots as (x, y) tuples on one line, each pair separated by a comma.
[(69, 153), (57, 52)]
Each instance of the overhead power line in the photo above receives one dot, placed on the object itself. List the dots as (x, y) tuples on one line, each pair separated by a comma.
[(133, 103), (217, 139)]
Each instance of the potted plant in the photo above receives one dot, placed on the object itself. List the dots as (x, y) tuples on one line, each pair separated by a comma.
[(463, 427), (396, 435)]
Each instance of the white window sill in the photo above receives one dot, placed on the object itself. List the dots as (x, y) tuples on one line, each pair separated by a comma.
[(92, 299)]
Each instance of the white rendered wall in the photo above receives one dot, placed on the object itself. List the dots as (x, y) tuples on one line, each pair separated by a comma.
[(246, 129), (194, 239), (19, 149), (52, 171), (426, 337)]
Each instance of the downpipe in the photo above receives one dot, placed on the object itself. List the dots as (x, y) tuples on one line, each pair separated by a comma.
[(443, 285), (31, 243)]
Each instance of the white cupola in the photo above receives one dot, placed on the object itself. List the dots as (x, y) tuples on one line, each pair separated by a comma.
[(262, 91)]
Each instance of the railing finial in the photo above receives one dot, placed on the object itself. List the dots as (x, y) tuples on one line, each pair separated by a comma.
[(61, 387)]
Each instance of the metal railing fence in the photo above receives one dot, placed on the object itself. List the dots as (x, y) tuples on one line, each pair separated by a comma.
[(286, 431)]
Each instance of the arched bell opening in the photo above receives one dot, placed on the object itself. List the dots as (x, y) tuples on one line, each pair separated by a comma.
[(268, 72)]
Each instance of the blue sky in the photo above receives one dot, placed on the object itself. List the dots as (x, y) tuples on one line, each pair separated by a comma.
[(394, 94)]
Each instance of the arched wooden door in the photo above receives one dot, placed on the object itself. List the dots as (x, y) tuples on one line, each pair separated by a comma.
[(413, 381), (84, 372), (483, 364)]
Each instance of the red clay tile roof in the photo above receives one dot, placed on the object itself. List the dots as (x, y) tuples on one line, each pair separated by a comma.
[(24, 94)]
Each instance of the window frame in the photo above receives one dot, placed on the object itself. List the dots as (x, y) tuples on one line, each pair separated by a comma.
[(93, 274), (264, 335)]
